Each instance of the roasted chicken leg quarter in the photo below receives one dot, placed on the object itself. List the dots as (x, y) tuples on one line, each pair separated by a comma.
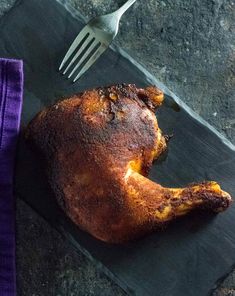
[(98, 147)]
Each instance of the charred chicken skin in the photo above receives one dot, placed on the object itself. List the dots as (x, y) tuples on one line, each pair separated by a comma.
[(99, 146)]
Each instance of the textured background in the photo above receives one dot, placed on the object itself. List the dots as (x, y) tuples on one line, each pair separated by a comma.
[(188, 45)]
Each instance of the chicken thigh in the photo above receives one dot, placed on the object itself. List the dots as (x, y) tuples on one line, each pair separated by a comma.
[(98, 148)]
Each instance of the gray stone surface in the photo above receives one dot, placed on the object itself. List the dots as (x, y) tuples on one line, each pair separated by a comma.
[(190, 46), (5, 5)]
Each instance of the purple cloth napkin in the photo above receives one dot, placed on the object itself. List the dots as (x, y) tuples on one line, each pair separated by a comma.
[(11, 89)]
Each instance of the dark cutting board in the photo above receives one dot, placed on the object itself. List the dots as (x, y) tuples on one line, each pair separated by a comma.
[(193, 253)]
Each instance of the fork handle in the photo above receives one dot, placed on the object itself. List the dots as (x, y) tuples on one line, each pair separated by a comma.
[(124, 7)]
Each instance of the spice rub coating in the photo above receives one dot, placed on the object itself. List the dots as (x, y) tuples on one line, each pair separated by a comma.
[(98, 147)]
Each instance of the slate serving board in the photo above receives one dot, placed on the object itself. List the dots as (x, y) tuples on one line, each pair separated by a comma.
[(193, 253)]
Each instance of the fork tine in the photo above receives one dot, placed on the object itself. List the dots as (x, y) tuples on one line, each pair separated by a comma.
[(86, 42), (86, 54), (74, 45), (91, 61)]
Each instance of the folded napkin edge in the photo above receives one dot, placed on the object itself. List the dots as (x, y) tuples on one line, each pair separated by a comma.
[(11, 96), (11, 60)]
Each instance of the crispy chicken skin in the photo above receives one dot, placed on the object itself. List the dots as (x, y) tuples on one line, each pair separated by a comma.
[(99, 146)]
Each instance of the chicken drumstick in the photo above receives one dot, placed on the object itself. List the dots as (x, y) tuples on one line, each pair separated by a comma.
[(99, 146)]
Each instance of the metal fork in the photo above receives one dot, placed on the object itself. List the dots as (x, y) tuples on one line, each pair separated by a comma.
[(91, 42)]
